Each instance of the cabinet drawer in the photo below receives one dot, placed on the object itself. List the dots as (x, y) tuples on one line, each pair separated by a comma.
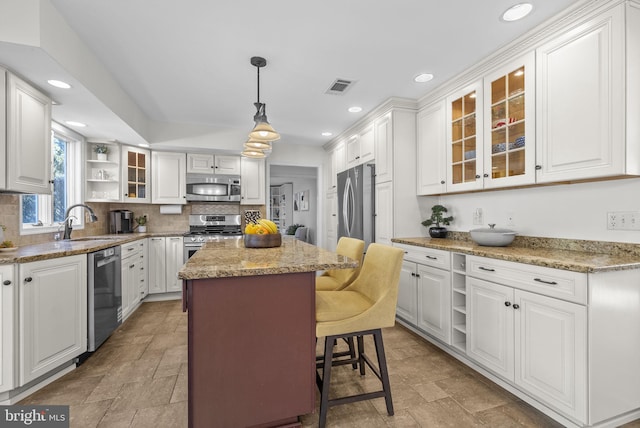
[(426, 256), (131, 248), (563, 284)]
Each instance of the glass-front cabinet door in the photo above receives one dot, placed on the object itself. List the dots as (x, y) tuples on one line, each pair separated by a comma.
[(509, 158), (464, 139), (136, 174)]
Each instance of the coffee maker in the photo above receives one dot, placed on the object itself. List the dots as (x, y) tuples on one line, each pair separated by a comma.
[(120, 221)]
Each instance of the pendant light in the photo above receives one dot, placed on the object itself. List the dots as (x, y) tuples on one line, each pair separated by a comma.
[(263, 133)]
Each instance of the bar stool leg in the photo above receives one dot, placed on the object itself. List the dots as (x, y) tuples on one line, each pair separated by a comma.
[(326, 380), (384, 373)]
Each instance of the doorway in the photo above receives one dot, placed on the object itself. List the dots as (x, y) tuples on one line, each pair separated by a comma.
[(299, 186)]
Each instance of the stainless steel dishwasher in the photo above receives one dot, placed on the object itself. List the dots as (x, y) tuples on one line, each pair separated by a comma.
[(104, 295)]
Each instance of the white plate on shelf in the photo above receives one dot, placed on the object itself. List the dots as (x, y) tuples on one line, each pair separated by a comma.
[(8, 250)]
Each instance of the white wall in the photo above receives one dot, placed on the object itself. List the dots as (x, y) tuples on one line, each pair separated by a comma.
[(573, 211)]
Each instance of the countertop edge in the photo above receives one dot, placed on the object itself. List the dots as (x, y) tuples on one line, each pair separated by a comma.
[(534, 256), (72, 247)]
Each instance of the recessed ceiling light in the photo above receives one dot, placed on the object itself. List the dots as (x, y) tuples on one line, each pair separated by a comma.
[(517, 11), (59, 84), (422, 78), (78, 124), (327, 134), (355, 109), (143, 145)]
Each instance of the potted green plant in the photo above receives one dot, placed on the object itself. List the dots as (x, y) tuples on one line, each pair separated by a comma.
[(438, 218), (142, 223), (101, 150)]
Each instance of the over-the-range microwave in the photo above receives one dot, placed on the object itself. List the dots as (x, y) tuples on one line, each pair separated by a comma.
[(213, 188)]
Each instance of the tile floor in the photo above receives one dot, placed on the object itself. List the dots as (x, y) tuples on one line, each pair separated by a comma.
[(138, 378)]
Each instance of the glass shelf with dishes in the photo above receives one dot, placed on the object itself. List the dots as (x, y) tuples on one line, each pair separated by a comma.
[(508, 124), (135, 174)]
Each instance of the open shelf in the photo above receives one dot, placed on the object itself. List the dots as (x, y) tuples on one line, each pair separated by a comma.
[(459, 301)]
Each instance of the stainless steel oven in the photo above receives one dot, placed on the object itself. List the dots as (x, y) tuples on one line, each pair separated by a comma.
[(210, 227)]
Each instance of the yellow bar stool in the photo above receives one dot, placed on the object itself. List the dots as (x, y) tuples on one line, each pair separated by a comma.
[(338, 279), (363, 308)]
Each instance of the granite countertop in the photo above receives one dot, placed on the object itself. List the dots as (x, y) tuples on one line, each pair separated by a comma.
[(74, 246), (230, 258), (573, 255)]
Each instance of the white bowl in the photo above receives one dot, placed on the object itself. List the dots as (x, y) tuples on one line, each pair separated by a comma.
[(492, 237)]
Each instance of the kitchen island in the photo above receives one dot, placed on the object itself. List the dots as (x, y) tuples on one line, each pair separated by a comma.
[(251, 332)]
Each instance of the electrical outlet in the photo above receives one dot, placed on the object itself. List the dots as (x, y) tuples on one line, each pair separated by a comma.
[(612, 221), (477, 216), (623, 220), (511, 221)]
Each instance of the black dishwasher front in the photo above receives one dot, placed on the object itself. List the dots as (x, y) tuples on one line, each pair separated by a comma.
[(104, 310)]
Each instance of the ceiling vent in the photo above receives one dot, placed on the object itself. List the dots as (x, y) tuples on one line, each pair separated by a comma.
[(339, 87)]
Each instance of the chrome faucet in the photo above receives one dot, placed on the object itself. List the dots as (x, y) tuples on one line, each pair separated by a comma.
[(68, 219)]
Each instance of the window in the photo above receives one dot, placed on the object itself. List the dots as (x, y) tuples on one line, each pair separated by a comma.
[(44, 213)]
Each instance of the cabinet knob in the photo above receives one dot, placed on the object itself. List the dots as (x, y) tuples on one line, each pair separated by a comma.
[(413, 274), (516, 306), (6, 282), (507, 304), (442, 181), (28, 279), (417, 275), (538, 166), (486, 175), (477, 176)]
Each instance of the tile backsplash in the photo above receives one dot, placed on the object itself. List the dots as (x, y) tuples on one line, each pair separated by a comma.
[(157, 223)]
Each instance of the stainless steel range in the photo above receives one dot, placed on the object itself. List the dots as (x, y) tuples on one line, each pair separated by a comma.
[(210, 227)]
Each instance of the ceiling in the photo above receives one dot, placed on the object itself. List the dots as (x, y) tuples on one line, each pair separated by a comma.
[(185, 64)]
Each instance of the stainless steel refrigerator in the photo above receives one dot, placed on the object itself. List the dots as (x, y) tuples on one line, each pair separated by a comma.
[(356, 203)]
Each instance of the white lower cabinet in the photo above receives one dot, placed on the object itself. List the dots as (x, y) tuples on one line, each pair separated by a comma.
[(157, 272), (133, 275), (407, 307), (53, 314), (534, 341), (165, 260), (174, 261), (424, 294), (7, 325), (434, 301)]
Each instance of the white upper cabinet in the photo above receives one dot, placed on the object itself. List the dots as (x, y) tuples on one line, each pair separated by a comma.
[(582, 76), (135, 174), (383, 128), (464, 139), (28, 137), (335, 163), (213, 164), (431, 158), (360, 148), (168, 185), (509, 131), (253, 188)]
